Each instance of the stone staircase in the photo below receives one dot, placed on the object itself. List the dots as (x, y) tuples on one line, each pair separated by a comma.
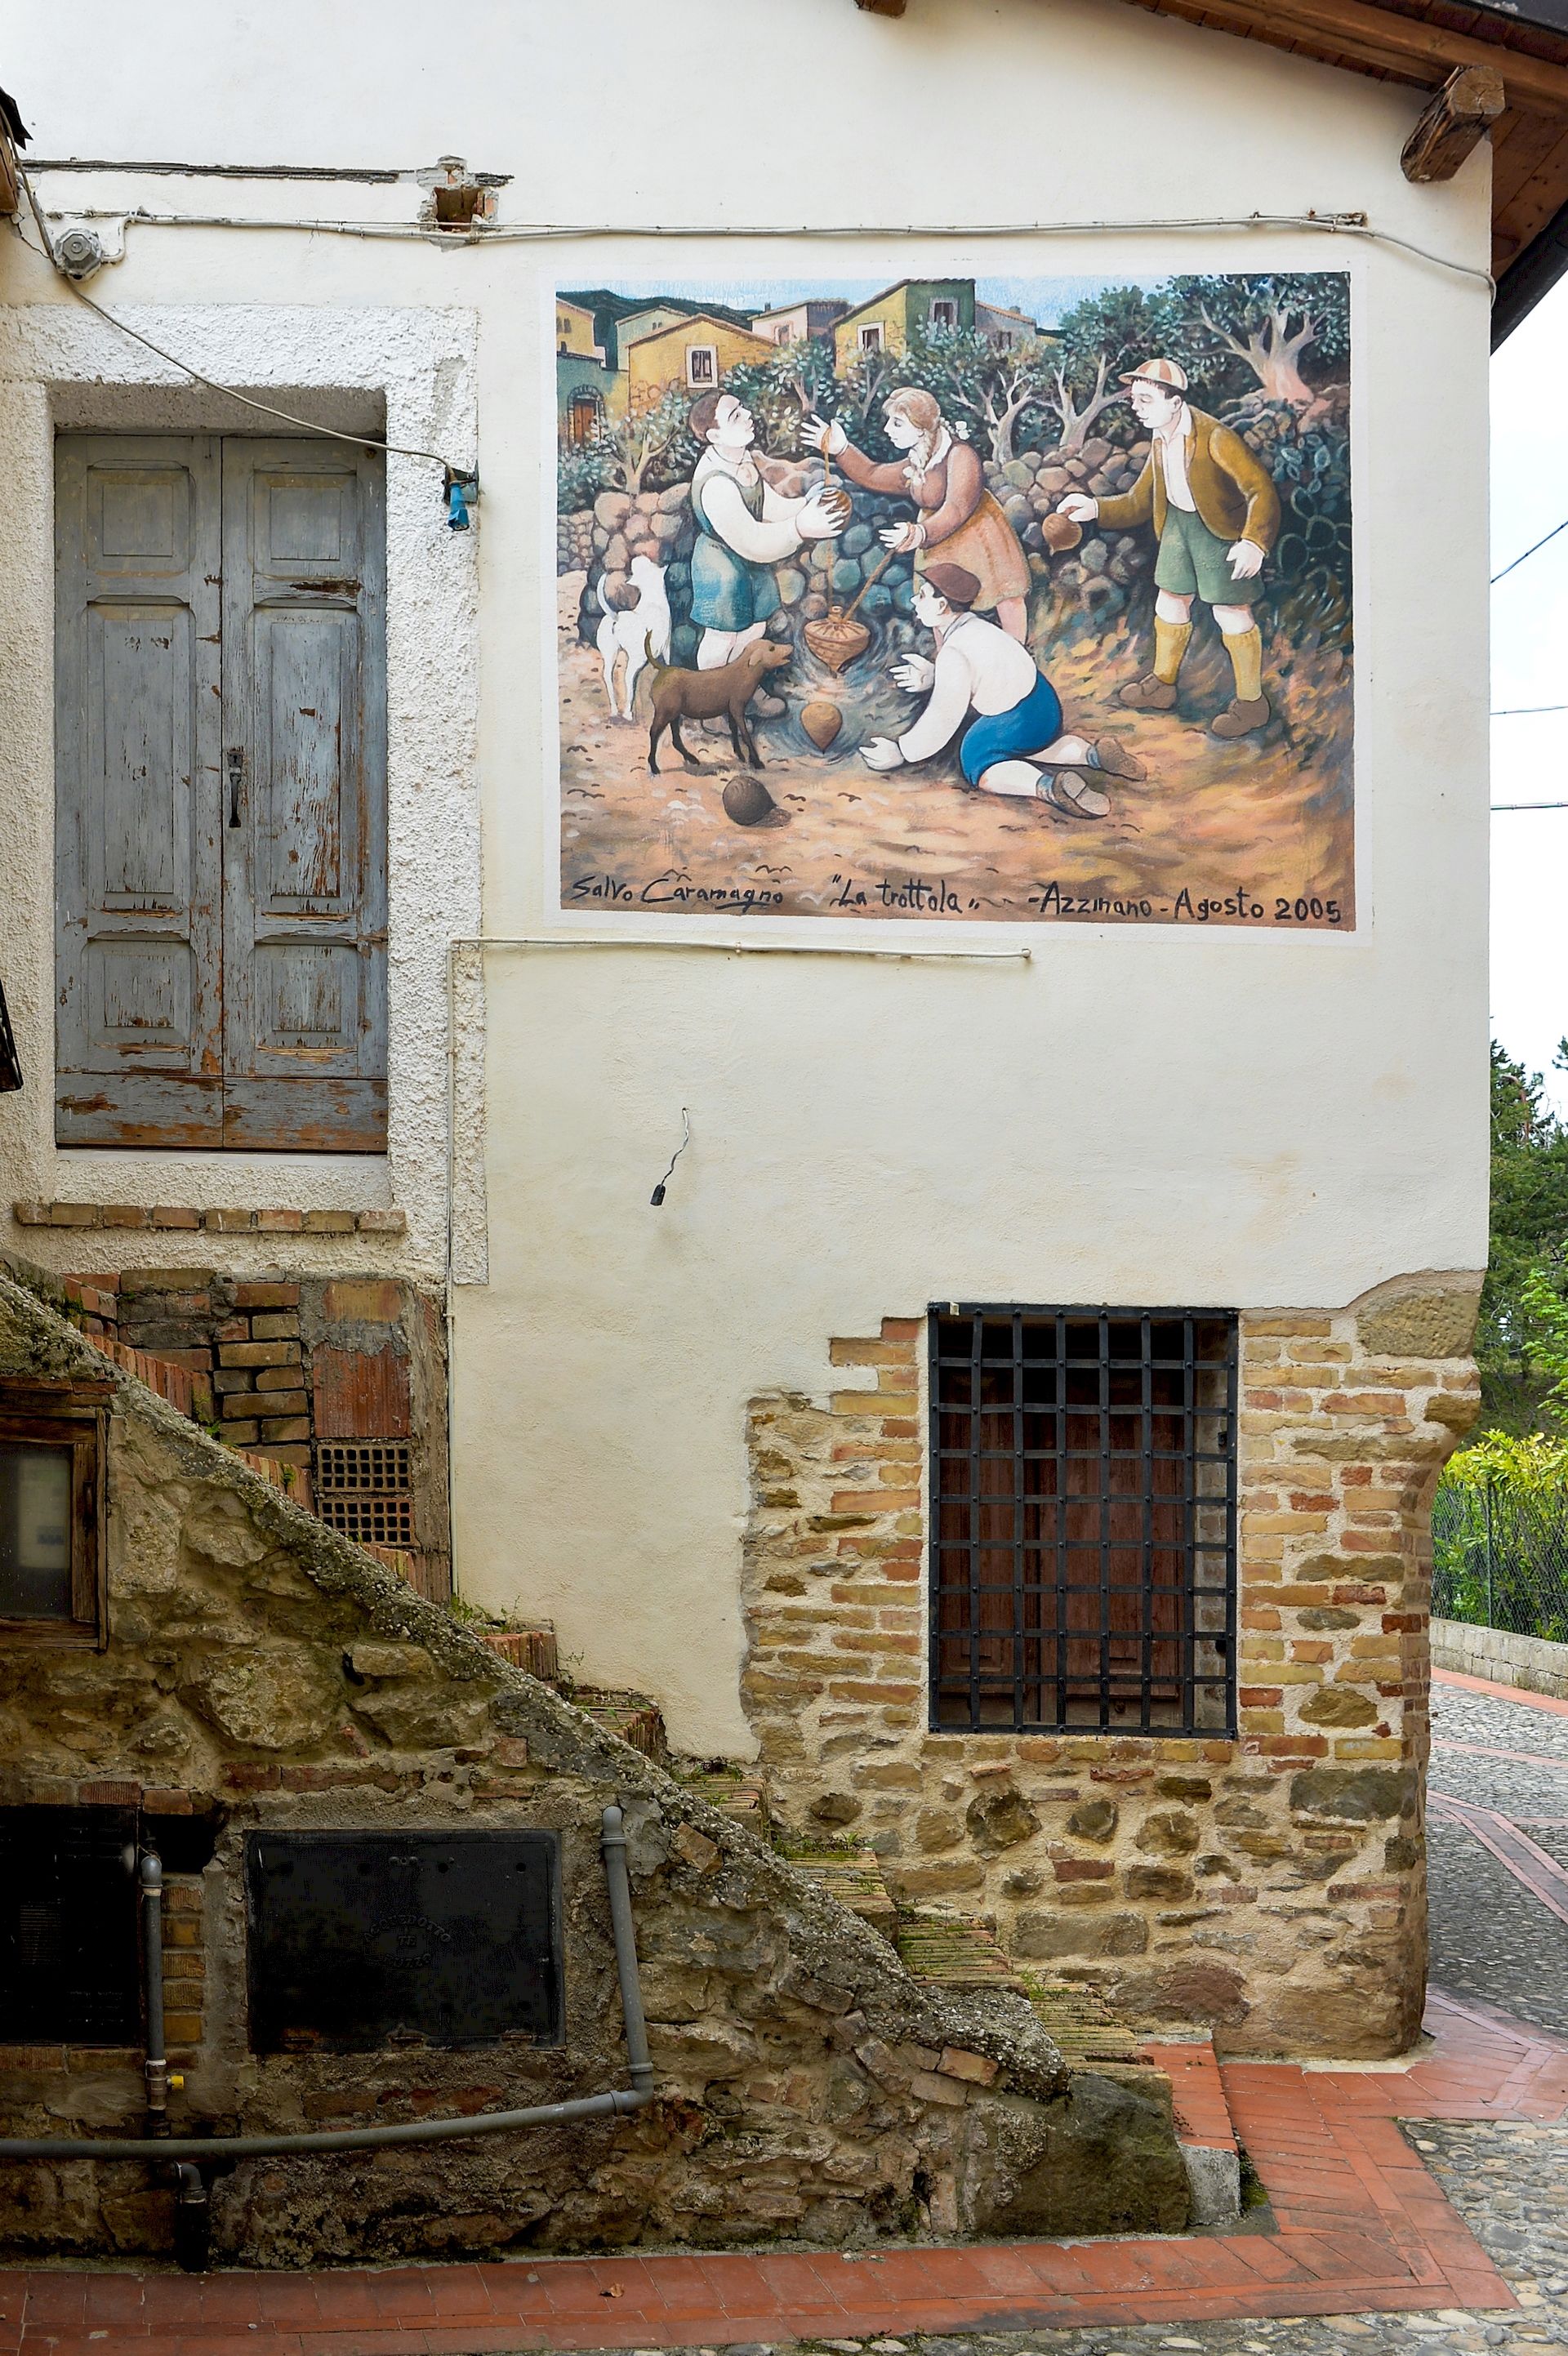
[(942, 1946)]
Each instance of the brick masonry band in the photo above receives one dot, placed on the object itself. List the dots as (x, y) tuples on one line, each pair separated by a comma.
[(168, 1216), (1269, 1886)]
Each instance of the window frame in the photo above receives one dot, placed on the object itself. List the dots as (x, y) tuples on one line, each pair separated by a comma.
[(1111, 1689), (944, 311), (873, 337), (709, 352), (66, 1416)]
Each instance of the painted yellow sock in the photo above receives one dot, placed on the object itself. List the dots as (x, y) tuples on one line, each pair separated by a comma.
[(1170, 645), (1246, 653)]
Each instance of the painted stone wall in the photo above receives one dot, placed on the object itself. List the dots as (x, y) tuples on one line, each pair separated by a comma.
[(1272, 1886), (262, 1672)]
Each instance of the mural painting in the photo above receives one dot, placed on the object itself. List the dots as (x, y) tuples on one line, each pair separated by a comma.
[(976, 600)]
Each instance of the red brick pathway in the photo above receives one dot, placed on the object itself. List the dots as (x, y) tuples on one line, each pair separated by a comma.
[(1361, 2226)]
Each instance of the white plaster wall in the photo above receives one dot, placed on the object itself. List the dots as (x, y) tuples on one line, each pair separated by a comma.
[(1136, 1114)]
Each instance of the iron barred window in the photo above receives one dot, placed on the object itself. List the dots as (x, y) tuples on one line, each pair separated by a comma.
[(1083, 1518)]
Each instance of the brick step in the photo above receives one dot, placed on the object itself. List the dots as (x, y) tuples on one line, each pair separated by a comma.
[(632, 1717), (854, 1878), (1081, 2023), (293, 1480), (532, 1649), (954, 1950), (741, 1796)]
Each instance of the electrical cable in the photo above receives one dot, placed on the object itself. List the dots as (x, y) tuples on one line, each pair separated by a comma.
[(1352, 225), (266, 408), (1524, 806), (657, 1197), (1523, 711), (1531, 552)]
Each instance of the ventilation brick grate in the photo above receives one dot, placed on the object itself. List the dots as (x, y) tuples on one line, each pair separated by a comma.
[(363, 1489)]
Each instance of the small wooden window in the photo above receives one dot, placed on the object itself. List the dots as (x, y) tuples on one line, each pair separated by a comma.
[(944, 315), (871, 338), (52, 1481), (702, 364)]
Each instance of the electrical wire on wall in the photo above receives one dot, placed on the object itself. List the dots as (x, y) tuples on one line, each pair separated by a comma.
[(459, 484)]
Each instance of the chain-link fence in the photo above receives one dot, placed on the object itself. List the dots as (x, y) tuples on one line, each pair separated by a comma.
[(1500, 1560)]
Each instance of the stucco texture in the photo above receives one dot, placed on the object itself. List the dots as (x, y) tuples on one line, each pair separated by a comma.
[(1136, 1117)]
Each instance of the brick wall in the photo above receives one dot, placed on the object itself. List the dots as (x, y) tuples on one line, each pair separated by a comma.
[(1270, 1886), (273, 1363)]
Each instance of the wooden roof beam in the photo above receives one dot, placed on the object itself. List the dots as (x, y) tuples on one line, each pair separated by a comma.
[(1361, 34), (1454, 123)]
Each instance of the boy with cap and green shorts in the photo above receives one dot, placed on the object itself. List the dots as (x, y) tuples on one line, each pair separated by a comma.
[(1217, 512)]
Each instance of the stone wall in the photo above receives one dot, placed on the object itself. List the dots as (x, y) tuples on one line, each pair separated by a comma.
[(262, 1672), (1270, 1886), (1529, 1662)]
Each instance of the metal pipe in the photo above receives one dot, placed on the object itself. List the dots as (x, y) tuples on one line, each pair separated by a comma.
[(204, 2148), (618, 2103), (155, 2066), (613, 1848)]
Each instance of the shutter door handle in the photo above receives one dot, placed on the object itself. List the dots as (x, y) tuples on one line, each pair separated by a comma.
[(236, 760)]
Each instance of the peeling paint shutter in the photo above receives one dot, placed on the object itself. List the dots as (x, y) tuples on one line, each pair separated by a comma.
[(305, 868), (138, 997), (221, 804)]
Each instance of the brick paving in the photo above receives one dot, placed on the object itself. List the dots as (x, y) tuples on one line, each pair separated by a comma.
[(1449, 2231)]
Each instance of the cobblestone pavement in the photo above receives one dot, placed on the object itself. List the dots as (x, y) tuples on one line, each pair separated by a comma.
[(1490, 1938)]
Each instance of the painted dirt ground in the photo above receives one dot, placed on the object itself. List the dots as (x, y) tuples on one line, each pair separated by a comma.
[(1261, 833)]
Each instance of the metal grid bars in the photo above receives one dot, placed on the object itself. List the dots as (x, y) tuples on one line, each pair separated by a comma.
[(1083, 1519), (363, 1488)]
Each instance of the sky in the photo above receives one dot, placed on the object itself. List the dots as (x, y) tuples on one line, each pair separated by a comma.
[(1530, 666)]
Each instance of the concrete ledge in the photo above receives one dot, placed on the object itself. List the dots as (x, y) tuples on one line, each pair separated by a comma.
[(1529, 1662)]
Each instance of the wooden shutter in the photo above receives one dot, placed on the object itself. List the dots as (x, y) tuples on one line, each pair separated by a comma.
[(138, 1000), (304, 839)]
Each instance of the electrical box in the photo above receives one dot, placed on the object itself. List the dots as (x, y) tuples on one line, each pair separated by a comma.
[(363, 1940), (70, 1959)]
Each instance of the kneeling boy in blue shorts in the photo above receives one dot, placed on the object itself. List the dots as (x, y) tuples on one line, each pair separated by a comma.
[(1015, 743)]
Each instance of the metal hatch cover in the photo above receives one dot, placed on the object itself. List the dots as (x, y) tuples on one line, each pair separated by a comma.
[(361, 1940)]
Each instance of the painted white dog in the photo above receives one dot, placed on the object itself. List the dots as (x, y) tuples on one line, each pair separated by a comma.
[(635, 632)]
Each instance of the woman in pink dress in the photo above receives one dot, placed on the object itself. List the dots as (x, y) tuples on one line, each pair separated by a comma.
[(957, 519)]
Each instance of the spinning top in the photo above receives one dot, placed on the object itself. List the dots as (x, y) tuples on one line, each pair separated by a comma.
[(747, 802), (822, 720)]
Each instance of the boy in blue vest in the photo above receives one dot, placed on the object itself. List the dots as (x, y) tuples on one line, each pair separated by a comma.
[(745, 527)]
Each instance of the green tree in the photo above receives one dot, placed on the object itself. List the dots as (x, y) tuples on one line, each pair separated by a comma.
[(782, 393), (1099, 337), (981, 385), (1521, 1340), (1263, 327), (645, 449)]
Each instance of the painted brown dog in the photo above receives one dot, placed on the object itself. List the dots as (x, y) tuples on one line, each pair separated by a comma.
[(706, 694)]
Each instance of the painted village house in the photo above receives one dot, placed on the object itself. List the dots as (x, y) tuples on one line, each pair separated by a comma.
[(888, 1317)]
